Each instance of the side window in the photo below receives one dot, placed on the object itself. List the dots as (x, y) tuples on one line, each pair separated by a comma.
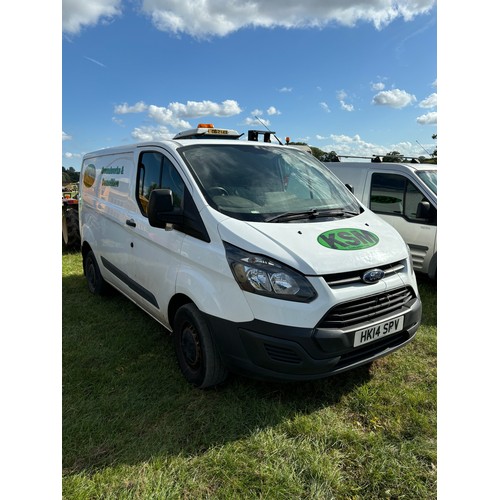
[(395, 195), (387, 193), (157, 171)]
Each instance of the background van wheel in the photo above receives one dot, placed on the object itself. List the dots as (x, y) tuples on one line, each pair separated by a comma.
[(95, 281), (70, 229), (196, 352)]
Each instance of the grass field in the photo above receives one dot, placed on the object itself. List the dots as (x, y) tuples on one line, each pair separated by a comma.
[(133, 428)]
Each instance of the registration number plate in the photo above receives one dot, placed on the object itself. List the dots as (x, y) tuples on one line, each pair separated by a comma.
[(378, 331)]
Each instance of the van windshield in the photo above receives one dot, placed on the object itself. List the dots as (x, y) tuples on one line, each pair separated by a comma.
[(430, 179), (267, 183)]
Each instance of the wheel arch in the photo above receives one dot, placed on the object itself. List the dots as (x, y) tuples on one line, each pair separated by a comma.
[(176, 302)]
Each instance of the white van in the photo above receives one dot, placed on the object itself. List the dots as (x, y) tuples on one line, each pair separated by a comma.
[(404, 195), (254, 255)]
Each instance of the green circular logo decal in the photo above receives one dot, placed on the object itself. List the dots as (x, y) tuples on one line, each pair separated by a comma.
[(89, 176), (348, 239)]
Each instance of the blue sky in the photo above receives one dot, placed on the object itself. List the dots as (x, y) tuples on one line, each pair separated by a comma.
[(359, 80)]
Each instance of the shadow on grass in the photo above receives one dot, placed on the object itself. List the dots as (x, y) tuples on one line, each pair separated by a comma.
[(125, 401)]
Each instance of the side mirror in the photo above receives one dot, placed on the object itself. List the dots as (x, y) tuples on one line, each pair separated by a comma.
[(161, 207), (423, 210)]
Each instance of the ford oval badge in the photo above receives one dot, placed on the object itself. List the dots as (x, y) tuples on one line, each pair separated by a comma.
[(373, 276)]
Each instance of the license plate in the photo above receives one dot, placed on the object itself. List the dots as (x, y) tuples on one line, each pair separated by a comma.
[(378, 331)]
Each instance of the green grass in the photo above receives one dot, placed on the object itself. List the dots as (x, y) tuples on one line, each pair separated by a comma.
[(134, 429)]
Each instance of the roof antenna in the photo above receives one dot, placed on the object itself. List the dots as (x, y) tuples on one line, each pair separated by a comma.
[(257, 118), (423, 147)]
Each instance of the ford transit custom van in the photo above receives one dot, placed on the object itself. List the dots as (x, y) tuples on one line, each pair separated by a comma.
[(254, 255)]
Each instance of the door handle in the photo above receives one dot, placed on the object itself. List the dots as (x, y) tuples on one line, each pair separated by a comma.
[(130, 222)]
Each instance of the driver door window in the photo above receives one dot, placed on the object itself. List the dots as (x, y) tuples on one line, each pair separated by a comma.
[(393, 194), (156, 171)]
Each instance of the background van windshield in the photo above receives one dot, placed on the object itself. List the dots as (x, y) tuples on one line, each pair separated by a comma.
[(252, 182), (430, 178)]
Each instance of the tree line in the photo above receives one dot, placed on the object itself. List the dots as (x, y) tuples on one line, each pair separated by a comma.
[(391, 157), (70, 176)]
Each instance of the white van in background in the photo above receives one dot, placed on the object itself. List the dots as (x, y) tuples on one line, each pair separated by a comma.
[(254, 255), (404, 195)]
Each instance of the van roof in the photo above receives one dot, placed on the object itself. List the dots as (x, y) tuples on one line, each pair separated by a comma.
[(175, 144), (368, 164)]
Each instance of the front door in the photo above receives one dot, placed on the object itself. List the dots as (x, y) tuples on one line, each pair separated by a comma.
[(400, 202)]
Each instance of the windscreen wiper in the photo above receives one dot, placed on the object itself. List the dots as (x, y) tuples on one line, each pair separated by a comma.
[(313, 213)]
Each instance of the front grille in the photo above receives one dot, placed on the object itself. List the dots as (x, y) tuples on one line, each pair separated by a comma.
[(347, 314), (339, 279)]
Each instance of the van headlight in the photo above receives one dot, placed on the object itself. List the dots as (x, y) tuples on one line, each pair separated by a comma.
[(264, 276)]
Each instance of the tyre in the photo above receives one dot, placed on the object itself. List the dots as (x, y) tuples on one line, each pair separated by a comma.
[(95, 281), (196, 352), (70, 228)]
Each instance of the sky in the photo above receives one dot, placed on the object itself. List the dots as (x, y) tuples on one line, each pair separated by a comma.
[(356, 77)]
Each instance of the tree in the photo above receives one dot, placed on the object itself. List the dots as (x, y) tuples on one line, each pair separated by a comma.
[(393, 156), (70, 175), (326, 157), (318, 153)]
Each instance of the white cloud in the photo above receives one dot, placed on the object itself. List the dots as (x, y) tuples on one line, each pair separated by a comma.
[(285, 89), (123, 109), (325, 107), (345, 145), (160, 133), (252, 122), (273, 111), (428, 119), (117, 121), (341, 96), (77, 14), (166, 116), (202, 18), (346, 107), (174, 114), (378, 86), (66, 137), (194, 109), (429, 102), (395, 98), (355, 146), (69, 155)]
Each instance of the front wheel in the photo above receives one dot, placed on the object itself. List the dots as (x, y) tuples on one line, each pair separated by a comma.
[(195, 349)]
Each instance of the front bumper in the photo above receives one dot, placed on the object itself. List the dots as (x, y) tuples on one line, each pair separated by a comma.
[(276, 352)]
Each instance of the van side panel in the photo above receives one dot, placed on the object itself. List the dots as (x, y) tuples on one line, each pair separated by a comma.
[(108, 206), (205, 277)]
